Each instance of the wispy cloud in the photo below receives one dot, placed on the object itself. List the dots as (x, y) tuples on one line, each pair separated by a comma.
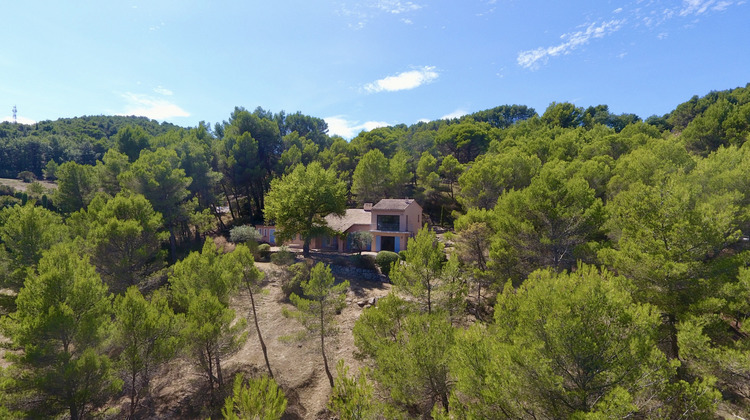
[(404, 81), (532, 59), (651, 14), (362, 12), (396, 7), (161, 90), (151, 107), (340, 126)]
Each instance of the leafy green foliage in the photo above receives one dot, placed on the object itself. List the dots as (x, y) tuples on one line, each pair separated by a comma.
[(386, 259), (147, 334), (124, 236), (61, 325), (298, 202), (371, 180), (260, 399), (26, 232), (352, 397)]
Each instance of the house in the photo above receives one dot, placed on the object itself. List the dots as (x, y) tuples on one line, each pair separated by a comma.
[(392, 222), (354, 220)]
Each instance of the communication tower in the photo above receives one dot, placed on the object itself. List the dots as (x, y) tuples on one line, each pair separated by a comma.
[(15, 111)]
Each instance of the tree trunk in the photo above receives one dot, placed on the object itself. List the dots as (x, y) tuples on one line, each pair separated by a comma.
[(172, 245), (257, 328), (306, 247), (323, 346), (219, 377)]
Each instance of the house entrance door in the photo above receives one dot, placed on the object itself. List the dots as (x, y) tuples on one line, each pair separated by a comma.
[(388, 243)]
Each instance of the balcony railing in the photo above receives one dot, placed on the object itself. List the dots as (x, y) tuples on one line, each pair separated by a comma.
[(388, 227)]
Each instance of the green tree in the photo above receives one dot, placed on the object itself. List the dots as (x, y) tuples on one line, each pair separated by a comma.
[(400, 174), (147, 335), (297, 203), (158, 177), (212, 334), (547, 224), (492, 174), (60, 327), (410, 351), (26, 232), (425, 168), (108, 170), (667, 236), (252, 278), (131, 140), (260, 399), (352, 397), (424, 275), (201, 286), (124, 235), (76, 185), (568, 344), (317, 309), (450, 170), (371, 180)]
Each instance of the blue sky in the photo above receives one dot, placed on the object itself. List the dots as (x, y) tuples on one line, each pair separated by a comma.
[(365, 63)]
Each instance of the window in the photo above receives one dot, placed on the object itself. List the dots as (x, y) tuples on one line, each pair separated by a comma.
[(388, 223)]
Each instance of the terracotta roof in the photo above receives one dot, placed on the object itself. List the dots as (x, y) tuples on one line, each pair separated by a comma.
[(393, 204), (351, 218)]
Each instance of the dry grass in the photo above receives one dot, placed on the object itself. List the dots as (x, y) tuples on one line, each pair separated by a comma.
[(19, 185), (297, 365)]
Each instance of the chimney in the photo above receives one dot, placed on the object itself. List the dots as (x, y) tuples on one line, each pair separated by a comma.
[(367, 206)]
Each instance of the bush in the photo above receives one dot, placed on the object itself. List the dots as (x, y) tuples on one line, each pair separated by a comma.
[(402, 255), (263, 252), (26, 176), (295, 275), (385, 260), (244, 233), (283, 257), (365, 262)]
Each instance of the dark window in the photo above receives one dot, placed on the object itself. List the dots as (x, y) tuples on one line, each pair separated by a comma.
[(388, 223), (387, 243)]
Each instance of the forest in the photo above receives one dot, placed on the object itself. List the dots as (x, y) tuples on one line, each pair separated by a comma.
[(574, 264)]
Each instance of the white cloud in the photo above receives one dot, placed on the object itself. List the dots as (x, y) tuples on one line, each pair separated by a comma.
[(161, 90), (403, 81), (651, 14), (695, 7), (532, 59), (722, 5), (455, 114), (347, 129), (154, 108), (396, 7), (19, 119)]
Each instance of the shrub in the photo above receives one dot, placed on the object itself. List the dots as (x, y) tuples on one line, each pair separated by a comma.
[(402, 255), (385, 260), (26, 176), (244, 233), (283, 257), (365, 262), (295, 275), (263, 252), (360, 241)]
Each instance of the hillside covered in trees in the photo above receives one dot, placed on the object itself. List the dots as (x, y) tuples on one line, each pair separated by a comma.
[(592, 265)]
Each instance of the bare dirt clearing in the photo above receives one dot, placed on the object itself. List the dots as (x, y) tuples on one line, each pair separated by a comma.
[(19, 185), (297, 365)]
